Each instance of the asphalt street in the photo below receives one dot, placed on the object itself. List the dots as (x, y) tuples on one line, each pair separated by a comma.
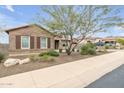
[(114, 79)]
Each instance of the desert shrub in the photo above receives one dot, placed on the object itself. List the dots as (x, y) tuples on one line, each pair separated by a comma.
[(101, 49), (113, 47), (121, 41), (110, 46), (88, 48), (34, 58), (47, 58), (44, 53), (2, 56), (53, 53), (107, 46), (92, 51), (50, 53)]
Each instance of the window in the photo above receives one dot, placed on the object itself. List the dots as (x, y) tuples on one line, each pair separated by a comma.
[(43, 42), (25, 42)]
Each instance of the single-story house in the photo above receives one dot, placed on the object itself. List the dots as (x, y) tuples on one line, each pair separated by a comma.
[(31, 38), (91, 39), (111, 41)]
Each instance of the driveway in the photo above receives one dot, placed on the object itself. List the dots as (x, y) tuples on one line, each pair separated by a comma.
[(79, 73), (114, 79)]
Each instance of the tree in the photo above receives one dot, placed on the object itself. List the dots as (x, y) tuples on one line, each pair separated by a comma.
[(78, 21), (121, 41)]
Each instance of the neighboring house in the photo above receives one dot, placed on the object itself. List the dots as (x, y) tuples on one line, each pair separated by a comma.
[(91, 39), (103, 41), (110, 41), (31, 38)]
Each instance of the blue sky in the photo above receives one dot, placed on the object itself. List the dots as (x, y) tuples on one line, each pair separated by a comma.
[(12, 16)]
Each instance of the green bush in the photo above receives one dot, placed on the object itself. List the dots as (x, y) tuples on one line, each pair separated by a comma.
[(113, 47), (47, 58), (44, 53), (92, 51), (107, 46), (110, 47), (1, 57), (88, 48), (50, 53), (53, 53), (121, 41)]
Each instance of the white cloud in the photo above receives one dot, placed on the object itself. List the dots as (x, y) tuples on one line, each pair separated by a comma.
[(10, 8), (5, 20), (8, 21)]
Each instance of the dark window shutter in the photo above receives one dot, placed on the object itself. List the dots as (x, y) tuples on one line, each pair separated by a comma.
[(48, 43), (18, 42), (38, 42), (32, 42)]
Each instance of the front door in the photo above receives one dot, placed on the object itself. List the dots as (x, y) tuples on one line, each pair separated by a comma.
[(56, 44)]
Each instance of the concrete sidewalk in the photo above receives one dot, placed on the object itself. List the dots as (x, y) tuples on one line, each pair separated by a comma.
[(75, 74)]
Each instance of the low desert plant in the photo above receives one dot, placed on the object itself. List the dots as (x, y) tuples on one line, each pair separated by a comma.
[(110, 46), (88, 48), (43, 53), (92, 51), (107, 46), (102, 50), (47, 58), (34, 58), (2, 56), (53, 53), (50, 53)]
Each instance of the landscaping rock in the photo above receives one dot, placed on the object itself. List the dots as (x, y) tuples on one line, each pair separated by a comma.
[(26, 60), (10, 62)]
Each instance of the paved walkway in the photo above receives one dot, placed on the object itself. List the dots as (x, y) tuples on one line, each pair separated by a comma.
[(75, 74)]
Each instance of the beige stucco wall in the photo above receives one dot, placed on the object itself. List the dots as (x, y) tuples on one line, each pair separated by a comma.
[(30, 31)]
